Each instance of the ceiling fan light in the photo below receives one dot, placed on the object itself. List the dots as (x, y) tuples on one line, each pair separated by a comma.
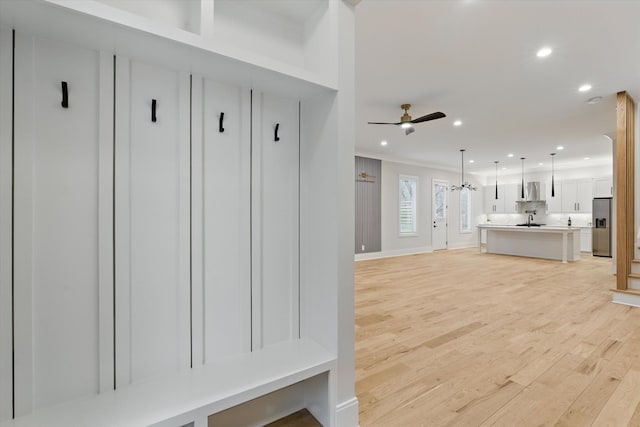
[(544, 52), (405, 125)]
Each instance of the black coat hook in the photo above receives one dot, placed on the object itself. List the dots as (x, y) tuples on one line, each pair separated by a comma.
[(276, 138), (220, 128), (65, 96), (153, 110)]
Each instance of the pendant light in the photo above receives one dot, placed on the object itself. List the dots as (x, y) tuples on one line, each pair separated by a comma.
[(496, 162), (464, 184), (553, 186), (522, 189)]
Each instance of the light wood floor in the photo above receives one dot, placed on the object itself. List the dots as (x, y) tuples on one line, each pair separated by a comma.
[(465, 339)]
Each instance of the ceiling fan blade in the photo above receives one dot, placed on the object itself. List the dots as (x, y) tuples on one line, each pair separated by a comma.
[(428, 117), (381, 123), (410, 130)]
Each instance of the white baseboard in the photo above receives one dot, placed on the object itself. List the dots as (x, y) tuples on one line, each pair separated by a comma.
[(393, 253), (347, 413), (408, 251), (626, 299), (463, 245)]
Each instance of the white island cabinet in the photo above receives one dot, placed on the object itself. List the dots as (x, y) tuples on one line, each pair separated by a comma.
[(561, 243)]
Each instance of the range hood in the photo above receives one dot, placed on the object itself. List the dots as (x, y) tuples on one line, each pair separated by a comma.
[(533, 192)]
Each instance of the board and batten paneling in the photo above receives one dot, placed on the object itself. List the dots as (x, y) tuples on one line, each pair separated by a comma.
[(152, 208), (275, 219), (221, 208), (368, 175), (6, 155), (62, 223)]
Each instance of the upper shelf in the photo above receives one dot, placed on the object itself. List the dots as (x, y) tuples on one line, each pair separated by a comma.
[(274, 45)]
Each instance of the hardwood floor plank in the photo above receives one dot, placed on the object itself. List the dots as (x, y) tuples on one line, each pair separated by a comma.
[(455, 334), (459, 338), (623, 403), (301, 418)]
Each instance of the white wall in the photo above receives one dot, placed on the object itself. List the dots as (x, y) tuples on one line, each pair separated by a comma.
[(392, 243)]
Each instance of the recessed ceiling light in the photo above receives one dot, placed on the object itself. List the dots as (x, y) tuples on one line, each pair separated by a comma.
[(587, 158), (510, 155), (383, 143), (504, 169), (543, 52), (559, 147), (585, 88), (594, 100), (540, 164), (457, 123), (472, 161)]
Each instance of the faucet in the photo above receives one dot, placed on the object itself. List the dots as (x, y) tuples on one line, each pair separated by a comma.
[(531, 214)]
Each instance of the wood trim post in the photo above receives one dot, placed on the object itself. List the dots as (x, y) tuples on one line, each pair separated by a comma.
[(625, 188)]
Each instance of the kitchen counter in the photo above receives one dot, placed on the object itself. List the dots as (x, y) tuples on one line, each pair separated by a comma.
[(550, 242)]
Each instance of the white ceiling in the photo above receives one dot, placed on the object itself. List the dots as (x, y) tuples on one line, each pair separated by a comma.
[(475, 60)]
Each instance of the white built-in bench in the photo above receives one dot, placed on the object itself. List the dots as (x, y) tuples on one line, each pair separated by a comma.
[(240, 391)]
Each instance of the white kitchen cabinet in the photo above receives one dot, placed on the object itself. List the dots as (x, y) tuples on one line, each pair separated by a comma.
[(603, 187), (491, 204), (152, 221), (585, 240), (62, 223), (275, 222), (506, 202), (585, 196), (510, 197), (554, 203), (221, 220), (577, 196)]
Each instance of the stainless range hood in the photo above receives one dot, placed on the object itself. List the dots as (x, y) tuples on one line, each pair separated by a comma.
[(534, 192)]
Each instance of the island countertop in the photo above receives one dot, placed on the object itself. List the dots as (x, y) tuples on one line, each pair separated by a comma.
[(544, 228), (547, 241)]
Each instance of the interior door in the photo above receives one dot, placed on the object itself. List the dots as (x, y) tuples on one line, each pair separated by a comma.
[(439, 214), (62, 222)]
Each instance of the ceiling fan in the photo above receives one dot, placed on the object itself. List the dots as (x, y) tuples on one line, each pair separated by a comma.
[(407, 124)]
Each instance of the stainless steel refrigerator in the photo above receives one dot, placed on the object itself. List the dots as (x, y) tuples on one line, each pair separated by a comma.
[(601, 231)]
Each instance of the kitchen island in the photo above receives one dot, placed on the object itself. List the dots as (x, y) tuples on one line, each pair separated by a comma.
[(561, 243)]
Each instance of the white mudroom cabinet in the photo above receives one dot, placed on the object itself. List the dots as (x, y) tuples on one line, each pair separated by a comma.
[(152, 235), (276, 194), (221, 164), (175, 231), (61, 253)]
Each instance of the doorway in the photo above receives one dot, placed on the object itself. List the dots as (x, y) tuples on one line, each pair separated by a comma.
[(439, 214)]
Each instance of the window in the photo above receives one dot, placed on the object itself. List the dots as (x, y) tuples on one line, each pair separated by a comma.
[(465, 210), (408, 190), (440, 199)]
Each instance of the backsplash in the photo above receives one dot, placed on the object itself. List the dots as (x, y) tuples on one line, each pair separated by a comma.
[(558, 219), (577, 219)]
